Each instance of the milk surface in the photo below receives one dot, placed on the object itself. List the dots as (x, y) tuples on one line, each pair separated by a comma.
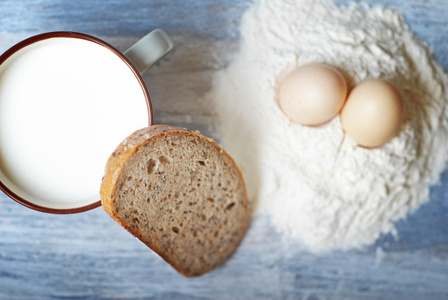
[(65, 104)]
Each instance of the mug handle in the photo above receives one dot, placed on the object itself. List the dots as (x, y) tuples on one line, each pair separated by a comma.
[(149, 49)]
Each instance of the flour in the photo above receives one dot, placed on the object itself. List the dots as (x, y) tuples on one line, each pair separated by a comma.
[(316, 184)]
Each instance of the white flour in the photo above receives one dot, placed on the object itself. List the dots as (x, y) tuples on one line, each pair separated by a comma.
[(315, 183)]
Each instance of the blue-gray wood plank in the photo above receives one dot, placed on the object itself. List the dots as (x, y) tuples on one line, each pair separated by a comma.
[(89, 256)]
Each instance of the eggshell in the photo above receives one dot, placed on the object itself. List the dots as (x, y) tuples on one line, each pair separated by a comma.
[(373, 113), (312, 94)]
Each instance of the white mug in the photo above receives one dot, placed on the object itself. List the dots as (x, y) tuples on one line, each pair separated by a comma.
[(66, 101)]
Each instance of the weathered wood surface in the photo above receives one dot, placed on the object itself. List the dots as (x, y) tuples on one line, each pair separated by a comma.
[(89, 256)]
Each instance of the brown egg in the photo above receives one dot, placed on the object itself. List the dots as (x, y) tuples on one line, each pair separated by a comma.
[(312, 94), (373, 113)]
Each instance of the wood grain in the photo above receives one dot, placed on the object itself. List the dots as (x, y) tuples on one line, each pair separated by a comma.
[(89, 256)]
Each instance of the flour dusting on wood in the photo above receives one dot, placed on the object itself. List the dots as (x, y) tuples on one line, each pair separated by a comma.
[(316, 184)]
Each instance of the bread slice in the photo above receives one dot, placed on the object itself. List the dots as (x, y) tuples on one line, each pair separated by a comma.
[(178, 192)]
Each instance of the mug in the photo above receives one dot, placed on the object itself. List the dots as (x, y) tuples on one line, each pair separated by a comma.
[(67, 99)]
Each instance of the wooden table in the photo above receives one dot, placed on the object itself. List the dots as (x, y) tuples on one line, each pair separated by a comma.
[(89, 256)]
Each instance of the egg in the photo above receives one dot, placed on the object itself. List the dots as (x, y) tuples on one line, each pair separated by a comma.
[(312, 94), (373, 113)]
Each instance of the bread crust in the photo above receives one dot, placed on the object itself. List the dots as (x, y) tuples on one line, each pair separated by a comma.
[(117, 162)]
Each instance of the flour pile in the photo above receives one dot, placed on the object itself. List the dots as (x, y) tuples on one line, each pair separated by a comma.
[(316, 184)]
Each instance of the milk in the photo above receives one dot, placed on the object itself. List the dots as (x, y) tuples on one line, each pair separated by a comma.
[(65, 104)]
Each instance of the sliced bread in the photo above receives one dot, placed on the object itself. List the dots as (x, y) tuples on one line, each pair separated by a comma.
[(178, 192)]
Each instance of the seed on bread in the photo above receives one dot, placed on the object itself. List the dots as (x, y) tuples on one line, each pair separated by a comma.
[(179, 193)]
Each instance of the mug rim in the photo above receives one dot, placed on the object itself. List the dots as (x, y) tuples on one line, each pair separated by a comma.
[(70, 34)]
